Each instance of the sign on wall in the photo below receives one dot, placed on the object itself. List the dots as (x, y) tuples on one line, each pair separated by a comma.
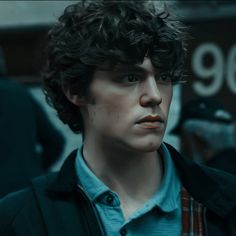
[(212, 62)]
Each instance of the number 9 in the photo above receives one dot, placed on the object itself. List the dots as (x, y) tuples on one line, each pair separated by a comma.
[(215, 72)]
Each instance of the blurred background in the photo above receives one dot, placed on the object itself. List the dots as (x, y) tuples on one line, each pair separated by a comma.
[(211, 60)]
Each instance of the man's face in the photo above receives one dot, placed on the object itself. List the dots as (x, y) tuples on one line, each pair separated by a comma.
[(128, 107)]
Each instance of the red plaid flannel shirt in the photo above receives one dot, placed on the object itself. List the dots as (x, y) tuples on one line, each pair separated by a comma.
[(192, 215)]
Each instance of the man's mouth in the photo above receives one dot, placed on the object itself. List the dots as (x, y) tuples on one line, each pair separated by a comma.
[(151, 122), (151, 119)]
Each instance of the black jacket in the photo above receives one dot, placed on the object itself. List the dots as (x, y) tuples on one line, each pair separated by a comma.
[(55, 206), (224, 160)]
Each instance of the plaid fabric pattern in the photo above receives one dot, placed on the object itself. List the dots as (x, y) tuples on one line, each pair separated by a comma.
[(192, 216)]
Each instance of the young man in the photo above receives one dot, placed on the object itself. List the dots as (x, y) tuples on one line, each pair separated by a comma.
[(111, 67)]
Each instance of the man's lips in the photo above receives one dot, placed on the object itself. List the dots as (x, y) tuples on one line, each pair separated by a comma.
[(151, 119), (151, 122)]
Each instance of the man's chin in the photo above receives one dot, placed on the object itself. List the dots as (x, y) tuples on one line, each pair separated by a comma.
[(149, 147)]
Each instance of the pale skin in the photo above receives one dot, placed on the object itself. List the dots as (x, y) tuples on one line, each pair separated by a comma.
[(120, 138)]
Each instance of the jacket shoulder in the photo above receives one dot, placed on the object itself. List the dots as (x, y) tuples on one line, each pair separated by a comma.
[(12, 210), (19, 212), (13, 203), (226, 179)]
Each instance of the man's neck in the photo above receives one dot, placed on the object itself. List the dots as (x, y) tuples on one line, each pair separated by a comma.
[(135, 177)]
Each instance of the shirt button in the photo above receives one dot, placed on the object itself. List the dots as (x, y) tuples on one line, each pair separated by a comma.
[(110, 199), (123, 232)]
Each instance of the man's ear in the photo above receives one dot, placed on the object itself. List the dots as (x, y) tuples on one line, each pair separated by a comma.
[(76, 99)]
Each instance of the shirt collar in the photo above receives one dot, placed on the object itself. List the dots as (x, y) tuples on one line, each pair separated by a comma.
[(92, 185), (168, 195), (195, 179), (166, 198)]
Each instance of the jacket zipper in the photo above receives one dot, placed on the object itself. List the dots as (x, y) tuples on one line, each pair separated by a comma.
[(91, 208)]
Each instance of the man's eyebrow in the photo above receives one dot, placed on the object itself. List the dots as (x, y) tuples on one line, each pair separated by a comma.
[(129, 68)]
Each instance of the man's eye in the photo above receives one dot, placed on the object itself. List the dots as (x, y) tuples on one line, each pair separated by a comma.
[(164, 78), (130, 78)]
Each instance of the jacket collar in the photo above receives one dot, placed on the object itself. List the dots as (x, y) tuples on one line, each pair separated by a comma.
[(213, 188), (66, 180)]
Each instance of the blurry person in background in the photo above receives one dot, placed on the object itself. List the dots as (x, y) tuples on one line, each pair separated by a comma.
[(29, 143), (110, 71), (207, 134)]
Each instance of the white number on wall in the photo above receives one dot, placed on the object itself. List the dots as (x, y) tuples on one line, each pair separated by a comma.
[(231, 69), (215, 73)]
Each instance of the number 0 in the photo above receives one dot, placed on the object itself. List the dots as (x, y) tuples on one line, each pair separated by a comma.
[(231, 69)]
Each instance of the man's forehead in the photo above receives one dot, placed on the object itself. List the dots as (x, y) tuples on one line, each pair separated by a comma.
[(145, 66)]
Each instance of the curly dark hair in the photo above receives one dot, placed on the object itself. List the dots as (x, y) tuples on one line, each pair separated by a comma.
[(101, 34)]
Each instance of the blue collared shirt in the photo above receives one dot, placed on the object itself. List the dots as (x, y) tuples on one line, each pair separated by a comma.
[(160, 215)]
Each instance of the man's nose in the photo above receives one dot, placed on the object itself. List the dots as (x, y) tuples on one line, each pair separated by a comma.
[(150, 95)]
